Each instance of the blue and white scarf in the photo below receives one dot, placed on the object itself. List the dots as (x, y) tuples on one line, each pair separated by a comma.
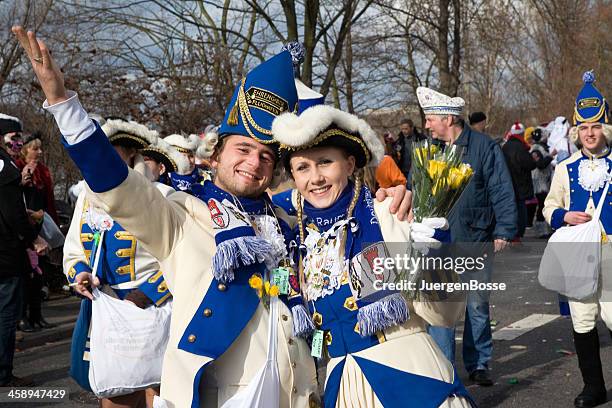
[(377, 309), (238, 245), (185, 182)]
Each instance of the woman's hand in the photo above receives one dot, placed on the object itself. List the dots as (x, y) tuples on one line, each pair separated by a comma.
[(40, 246), (49, 75), (26, 173)]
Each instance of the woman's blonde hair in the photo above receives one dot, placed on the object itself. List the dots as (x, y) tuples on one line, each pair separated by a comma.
[(35, 144)]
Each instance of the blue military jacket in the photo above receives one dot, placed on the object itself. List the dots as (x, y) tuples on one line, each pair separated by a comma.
[(566, 193), (124, 264)]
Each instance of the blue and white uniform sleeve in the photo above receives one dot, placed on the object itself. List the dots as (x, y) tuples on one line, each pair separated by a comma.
[(556, 202), (87, 145), (156, 288), (119, 191)]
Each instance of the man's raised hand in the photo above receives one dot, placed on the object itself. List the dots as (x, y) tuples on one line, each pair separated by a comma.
[(49, 75)]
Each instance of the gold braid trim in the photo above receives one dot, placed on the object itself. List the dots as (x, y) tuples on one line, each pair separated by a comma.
[(181, 149), (163, 153), (579, 118), (245, 115), (327, 134), (137, 139), (300, 220)]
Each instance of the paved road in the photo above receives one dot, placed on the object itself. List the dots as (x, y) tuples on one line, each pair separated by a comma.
[(532, 370)]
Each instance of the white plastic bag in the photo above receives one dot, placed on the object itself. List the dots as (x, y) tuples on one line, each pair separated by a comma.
[(571, 261), (127, 344), (51, 232), (264, 389)]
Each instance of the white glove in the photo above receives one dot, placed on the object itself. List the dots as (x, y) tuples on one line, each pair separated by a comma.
[(424, 231)]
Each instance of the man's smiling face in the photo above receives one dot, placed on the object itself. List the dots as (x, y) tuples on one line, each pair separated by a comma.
[(244, 167)]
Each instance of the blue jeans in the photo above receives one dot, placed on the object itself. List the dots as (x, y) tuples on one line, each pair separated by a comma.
[(10, 306), (477, 337)]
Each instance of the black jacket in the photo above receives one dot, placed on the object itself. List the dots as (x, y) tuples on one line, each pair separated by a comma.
[(16, 233), (520, 164)]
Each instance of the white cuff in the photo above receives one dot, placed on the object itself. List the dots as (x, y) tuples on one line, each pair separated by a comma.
[(72, 120)]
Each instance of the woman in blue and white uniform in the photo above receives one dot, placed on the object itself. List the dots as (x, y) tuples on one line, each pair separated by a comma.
[(380, 353)]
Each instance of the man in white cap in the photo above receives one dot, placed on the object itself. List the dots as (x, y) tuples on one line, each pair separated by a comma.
[(486, 212)]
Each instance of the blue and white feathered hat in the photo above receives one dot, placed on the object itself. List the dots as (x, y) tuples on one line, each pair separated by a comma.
[(263, 94), (436, 103), (591, 105)]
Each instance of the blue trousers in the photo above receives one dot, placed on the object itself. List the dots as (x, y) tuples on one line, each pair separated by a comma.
[(10, 305), (477, 336)]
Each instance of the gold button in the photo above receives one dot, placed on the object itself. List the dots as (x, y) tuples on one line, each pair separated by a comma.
[(285, 317), (207, 312), (221, 287), (191, 338), (290, 341), (294, 390), (293, 365), (317, 319), (350, 304)]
